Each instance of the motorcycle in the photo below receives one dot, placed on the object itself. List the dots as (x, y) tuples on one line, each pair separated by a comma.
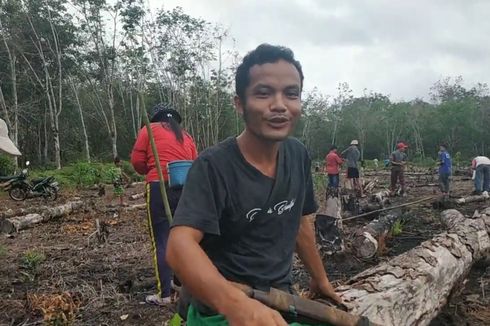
[(20, 188)]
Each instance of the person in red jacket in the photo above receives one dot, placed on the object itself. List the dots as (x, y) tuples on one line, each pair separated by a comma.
[(333, 162), (173, 144)]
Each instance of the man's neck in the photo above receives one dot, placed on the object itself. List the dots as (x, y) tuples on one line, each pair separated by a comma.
[(260, 153)]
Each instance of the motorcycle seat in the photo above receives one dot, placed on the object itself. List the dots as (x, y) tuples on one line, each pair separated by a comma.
[(38, 180)]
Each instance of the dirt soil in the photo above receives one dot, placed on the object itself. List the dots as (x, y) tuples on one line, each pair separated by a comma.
[(93, 283)]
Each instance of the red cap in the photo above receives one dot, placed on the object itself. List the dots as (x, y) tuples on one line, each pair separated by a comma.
[(401, 145)]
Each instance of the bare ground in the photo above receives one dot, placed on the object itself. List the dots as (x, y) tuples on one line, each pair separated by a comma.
[(105, 284)]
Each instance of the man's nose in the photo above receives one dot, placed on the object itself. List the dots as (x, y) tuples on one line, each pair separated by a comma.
[(278, 103)]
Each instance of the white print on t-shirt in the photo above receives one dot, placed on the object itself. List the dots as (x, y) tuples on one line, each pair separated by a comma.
[(278, 208)]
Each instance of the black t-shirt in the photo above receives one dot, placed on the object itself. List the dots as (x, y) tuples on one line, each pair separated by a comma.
[(249, 220)]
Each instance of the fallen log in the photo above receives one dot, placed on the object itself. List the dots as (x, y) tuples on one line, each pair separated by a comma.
[(134, 207), (16, 223), (382, 198), (371, 185), (445, 203), (369, 240), (420, 185), (471, 199), (412, 288), (22, 211), (137, 196), (387, 209)]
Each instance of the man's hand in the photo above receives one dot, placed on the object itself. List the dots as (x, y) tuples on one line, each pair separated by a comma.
[(252, 312), (325, 289)]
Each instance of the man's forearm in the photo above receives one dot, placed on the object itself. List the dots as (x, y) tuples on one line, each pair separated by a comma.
[(307, 251), (198, 274)]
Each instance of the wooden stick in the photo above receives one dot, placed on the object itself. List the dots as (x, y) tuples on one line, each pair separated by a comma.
[(389, 208)]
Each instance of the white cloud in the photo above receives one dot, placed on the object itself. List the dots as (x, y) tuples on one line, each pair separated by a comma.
[(391, 46)]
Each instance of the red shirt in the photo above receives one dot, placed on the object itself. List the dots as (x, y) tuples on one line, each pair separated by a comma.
[(333, 162), (169, 149)]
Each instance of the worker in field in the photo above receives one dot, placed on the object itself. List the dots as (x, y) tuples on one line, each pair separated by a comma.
[(333, 162), (481, 168), (248, 203), (352, 156), (173, 144), (398, 162), (445, 169)]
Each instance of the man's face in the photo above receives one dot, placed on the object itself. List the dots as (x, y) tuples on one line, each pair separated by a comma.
[(273, 100)]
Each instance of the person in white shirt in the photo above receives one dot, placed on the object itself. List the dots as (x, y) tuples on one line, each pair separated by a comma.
[(481, 166)]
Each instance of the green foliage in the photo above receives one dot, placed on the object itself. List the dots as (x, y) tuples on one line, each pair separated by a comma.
[(7, 165), (423, 161), (457, 159), (397, 227), (32, 259), (86, 174), (107, 77), (3, 251), (319, 182), (30, 262), (83, 174)]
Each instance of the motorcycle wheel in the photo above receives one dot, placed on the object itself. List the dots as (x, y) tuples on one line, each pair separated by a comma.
[(18, 194), (51, 193)]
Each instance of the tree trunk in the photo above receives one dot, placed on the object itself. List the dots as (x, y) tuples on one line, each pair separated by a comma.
[(82, 120), (46, 142), (412, 288), (369, 240), (16, 223)]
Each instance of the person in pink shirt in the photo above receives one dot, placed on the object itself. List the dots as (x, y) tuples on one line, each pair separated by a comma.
[(333, 162)]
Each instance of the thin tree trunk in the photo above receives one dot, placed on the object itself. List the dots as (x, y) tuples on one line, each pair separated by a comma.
[(39, 143), (45, 137), (82, 120)]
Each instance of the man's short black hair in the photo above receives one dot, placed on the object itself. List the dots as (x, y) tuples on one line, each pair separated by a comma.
[(264, 53), (333, 147)]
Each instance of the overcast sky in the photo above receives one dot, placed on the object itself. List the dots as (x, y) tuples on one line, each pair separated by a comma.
[(395, 47)]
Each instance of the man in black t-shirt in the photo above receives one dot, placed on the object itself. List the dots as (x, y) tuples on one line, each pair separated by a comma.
[(247, 203)]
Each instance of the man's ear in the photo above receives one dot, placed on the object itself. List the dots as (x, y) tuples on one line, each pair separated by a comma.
[(238, 105)]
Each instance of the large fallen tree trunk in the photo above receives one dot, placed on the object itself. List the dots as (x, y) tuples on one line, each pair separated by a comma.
[(471, 199), (411, 288), (369, 240), (443, 203), (16, 223)]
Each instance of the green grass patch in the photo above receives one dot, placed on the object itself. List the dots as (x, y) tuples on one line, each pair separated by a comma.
[(319, 182), (83, 174), (397, 228), (3, 251), (30, 263), (32, 259)]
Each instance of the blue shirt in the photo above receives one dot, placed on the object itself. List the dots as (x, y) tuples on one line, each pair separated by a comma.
[(446, 164)]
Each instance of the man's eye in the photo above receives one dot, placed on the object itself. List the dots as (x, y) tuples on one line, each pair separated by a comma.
[(262, 93), (292, 94)]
